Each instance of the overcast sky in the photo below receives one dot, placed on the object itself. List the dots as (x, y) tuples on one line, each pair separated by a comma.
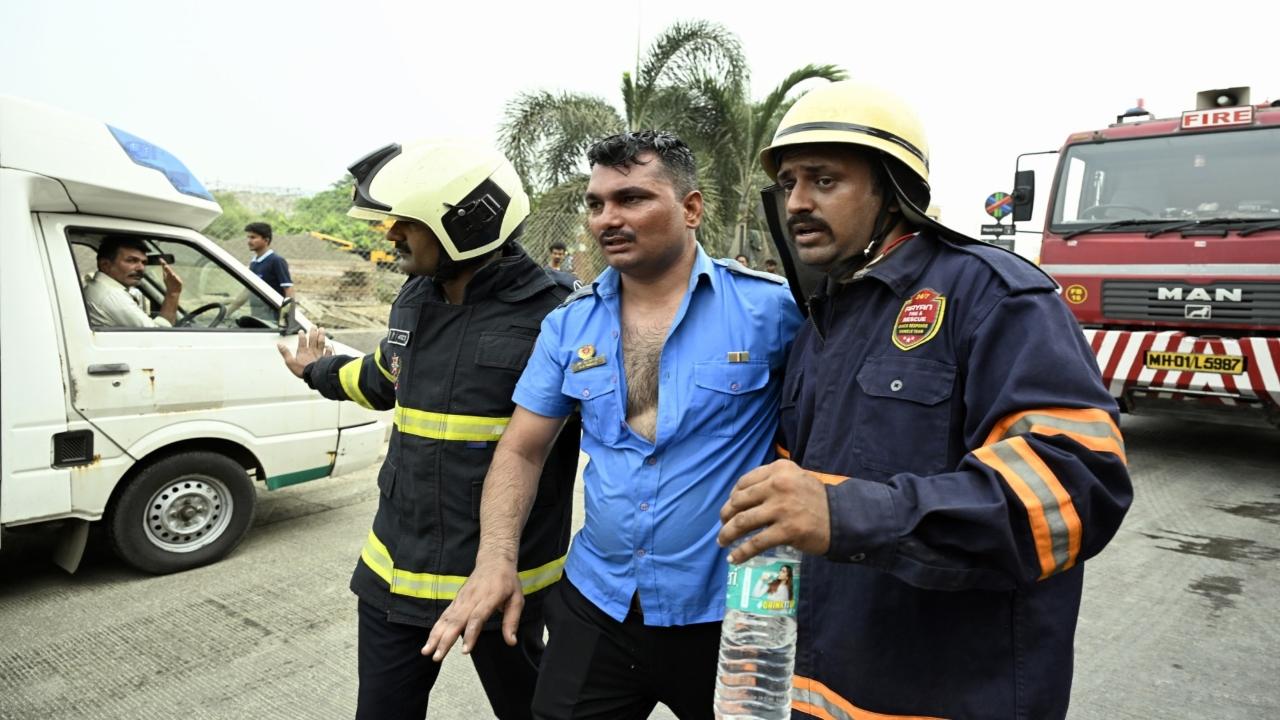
[(287, 94)]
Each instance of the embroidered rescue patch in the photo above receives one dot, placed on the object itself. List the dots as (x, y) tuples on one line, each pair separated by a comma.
[(919, 319), (395, 366)]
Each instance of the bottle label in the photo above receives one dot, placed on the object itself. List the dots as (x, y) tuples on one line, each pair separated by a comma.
[(770, 588)]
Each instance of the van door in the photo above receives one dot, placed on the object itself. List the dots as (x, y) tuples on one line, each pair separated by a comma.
[(35, 479), (215, 374)]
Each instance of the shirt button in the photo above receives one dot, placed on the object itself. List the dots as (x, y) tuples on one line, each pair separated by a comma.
[(644, 506), (734, 386), (858, 557), (586, 392), (615, 333), (640, 552), (896, 385), (651, 460)]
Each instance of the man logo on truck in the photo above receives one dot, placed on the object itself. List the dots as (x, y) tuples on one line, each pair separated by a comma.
[(1219, 294)]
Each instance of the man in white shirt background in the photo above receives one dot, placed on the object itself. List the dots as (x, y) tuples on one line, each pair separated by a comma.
[(122, 263)]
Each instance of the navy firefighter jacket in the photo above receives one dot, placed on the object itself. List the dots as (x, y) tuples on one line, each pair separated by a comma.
[(448, 371), (948, 400)]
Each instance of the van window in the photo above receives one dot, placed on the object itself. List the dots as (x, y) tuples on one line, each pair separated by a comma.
[(212, 297)]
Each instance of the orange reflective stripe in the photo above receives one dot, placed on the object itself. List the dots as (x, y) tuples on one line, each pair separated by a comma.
[(1091, 427), (828, 478), (1066, 508), (1055, 525), (813, 698)]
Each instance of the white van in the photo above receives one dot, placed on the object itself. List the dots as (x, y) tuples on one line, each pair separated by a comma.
[(159, 432)]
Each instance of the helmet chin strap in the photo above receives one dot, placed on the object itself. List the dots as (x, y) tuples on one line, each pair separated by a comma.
[(886, 219)]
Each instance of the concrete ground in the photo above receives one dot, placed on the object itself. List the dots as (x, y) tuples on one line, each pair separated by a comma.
[(1179, 617)]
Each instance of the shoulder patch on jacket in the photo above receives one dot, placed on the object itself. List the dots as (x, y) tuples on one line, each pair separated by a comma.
[(584, 291), (1017, 272), (738, 268)]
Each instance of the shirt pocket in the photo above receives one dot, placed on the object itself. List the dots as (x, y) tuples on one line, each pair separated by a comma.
[(504, 350), (902, 422), (723, 395), (596, 393)]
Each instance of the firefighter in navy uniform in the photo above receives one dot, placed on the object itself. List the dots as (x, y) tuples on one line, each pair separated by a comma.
[(461, 330), (953, 455)]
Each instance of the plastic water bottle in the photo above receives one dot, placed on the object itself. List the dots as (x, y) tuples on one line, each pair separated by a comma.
[(758, 637)]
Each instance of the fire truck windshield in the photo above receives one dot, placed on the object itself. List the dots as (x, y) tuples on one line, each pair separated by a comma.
[(1221, 176)]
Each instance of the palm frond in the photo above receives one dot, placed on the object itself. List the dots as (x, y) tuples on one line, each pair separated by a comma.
[(545, 135), (767, 113)]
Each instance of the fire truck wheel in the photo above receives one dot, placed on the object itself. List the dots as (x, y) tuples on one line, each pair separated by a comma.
[(181, 512)]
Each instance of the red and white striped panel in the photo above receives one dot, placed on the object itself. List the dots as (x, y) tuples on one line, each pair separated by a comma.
[(1120, 356)]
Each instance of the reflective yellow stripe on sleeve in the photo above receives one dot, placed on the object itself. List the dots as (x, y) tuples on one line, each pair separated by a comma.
[(430, 586), (377, 360), (349, 376), (443, 426)]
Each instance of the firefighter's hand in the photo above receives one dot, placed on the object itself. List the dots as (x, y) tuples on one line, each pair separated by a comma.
[(492, 586), (787, 502), (311, 347)]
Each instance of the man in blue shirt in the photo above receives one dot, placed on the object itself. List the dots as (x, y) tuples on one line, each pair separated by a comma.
[(674, 360), (266, 263)]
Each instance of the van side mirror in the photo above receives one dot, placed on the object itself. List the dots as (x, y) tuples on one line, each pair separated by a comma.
[(288, 321), (1024, 194)]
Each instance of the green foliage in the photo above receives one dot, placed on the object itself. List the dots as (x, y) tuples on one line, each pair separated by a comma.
[(325, 212), (230, 224), (693, 81)]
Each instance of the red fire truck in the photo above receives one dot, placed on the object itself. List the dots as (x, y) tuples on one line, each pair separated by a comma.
[(1164, 234)]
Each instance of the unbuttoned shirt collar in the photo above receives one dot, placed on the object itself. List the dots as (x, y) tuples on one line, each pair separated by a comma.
[(608, 284), (263, 256)]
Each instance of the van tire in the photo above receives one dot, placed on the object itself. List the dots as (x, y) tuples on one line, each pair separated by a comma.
[(181, 512)]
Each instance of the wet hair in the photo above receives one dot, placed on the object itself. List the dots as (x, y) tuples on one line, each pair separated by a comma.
[(259, 228), (557, 245), (110, 246), (624, 149)]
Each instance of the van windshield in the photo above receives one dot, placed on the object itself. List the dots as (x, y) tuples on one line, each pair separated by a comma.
[(211, 296), (1194, 176)]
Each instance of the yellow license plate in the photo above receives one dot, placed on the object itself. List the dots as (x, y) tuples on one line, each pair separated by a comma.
[(1194, 362)]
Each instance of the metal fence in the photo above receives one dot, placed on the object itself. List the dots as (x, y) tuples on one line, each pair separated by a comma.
[(344, 288)]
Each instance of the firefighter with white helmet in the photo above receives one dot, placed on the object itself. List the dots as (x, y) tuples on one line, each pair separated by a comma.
[(951, 457), (461, 330)]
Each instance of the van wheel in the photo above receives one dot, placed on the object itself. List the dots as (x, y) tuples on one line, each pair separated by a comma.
[(181, 512)]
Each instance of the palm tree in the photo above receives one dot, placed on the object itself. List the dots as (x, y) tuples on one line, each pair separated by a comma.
[(693, 81)]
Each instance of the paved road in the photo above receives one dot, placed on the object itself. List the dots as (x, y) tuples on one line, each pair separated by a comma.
[(1180, 616)]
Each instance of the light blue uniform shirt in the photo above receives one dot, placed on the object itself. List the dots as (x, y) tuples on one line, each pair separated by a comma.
[(652, 509)]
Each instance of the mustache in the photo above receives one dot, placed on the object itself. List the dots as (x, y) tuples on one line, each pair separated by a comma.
[(807, 219), (608, 235)]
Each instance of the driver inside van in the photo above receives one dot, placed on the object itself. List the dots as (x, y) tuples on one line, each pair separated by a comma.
[(122, 263)]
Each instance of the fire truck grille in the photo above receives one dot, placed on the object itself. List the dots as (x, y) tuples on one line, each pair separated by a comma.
[(1220, 303)]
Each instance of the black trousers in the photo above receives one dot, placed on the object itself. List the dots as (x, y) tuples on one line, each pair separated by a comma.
[(597, 667), (396, 678)]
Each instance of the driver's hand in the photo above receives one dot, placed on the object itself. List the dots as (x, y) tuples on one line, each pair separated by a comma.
[(172, 283), (311, 347)]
